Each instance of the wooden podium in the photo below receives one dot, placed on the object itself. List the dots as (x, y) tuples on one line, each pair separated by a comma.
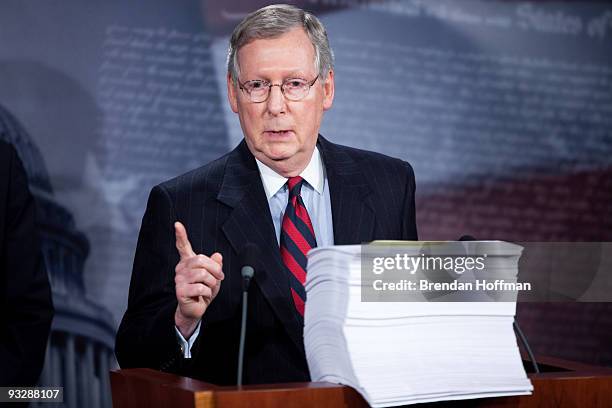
[(560, 384)]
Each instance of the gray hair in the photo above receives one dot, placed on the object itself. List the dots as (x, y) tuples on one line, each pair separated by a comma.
[(273, 21)]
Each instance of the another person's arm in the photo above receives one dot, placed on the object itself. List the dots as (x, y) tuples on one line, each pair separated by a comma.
[(26, 308)]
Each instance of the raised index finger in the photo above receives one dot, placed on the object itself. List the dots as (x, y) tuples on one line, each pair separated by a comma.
[(182, 242)]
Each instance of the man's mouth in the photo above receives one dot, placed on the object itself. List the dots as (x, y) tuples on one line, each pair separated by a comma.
[(278, 133)]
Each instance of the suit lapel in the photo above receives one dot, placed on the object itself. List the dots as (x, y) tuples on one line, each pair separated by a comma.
[(250, 221), (352, 209)]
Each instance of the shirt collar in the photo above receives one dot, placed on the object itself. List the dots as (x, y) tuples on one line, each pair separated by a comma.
[(312, 174)]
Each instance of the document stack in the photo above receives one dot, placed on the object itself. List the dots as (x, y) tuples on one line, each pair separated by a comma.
[(399, 353)]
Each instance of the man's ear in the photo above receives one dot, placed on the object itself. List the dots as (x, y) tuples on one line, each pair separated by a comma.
[(232, 93), (328, 90)]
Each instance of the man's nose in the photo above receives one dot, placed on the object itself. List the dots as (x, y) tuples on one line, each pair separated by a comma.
[(276, 100)]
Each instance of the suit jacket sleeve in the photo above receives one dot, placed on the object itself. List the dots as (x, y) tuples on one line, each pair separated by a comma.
[(146, 336), (25, 295), (409, 227)]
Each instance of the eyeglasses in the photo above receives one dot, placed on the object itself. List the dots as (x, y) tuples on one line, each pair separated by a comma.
[(294, 89)]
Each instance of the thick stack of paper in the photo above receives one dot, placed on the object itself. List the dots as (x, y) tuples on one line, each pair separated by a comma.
[(397, 353)]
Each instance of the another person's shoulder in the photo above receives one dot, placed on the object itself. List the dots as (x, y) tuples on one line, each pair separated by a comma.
[(10, 164), (7, 152)]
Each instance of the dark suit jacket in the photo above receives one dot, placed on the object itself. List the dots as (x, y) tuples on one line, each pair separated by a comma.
[(26, 309), (223, 206)]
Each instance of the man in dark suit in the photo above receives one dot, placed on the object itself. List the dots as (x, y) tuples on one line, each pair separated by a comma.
[(284, 188), (26, 309)]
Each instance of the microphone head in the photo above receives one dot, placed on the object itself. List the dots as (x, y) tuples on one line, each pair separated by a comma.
[(249, 259), (247, 272), (467, 238)]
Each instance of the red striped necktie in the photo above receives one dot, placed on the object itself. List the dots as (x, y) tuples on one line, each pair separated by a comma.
[(297, 238)]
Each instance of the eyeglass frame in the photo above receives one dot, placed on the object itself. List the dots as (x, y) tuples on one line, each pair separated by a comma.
[(270, 85)]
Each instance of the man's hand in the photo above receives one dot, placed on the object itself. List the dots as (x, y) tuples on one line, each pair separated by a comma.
[(198, 279)]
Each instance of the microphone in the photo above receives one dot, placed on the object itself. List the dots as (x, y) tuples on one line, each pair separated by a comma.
[(249, 257), (523, 338), (467, 238)]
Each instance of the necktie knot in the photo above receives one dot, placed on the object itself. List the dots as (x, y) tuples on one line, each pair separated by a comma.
[(295, 186)]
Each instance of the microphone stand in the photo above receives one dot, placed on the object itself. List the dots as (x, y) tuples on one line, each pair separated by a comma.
[(247, 273)]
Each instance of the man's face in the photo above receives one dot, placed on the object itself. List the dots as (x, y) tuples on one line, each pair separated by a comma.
[(281, 133)]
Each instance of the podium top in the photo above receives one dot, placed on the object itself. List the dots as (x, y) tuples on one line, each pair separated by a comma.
[(576, 383)]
